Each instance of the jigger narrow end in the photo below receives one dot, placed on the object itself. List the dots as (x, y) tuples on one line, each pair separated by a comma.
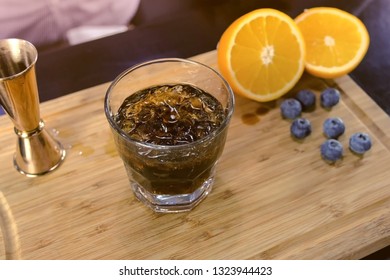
[(37, 152)]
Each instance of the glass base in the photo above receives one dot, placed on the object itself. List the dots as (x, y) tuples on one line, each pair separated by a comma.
[(172, 203)]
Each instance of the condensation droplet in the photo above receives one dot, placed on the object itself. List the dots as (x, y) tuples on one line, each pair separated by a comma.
[(55, 132)]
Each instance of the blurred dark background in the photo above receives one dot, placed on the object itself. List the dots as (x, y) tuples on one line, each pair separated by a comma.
[(183, 28)]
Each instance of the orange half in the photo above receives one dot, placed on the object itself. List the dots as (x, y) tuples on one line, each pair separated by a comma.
[(336, 41), (261, 54)]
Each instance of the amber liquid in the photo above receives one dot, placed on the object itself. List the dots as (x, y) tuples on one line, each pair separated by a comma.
[(172, 115)]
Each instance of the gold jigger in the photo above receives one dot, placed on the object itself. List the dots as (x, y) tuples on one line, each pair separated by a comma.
[(37, 152)]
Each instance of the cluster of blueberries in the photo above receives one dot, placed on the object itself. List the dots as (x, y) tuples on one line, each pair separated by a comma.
[(331, 149)]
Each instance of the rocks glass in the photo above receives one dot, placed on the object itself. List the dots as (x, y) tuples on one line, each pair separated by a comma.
[(171, 146)]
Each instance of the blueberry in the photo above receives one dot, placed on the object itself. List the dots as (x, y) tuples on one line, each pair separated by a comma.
[(307, 99), (360, 143), (300, 128), (333, 127), (331, 150), (329, 97), (290, 108)]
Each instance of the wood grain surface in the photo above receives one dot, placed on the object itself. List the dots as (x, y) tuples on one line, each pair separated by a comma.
[(9, 231), (274, 198)]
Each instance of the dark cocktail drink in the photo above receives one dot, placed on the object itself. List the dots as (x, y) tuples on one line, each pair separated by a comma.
[(172, 115)]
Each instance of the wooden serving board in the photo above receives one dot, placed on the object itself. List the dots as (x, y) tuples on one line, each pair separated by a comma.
[(274, 198)]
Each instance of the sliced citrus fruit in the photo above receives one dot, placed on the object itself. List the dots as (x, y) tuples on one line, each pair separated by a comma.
[(336, 41), (261, 54)]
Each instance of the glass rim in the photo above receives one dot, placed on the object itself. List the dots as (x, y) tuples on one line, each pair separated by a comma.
[(32, 51), (110, 115)]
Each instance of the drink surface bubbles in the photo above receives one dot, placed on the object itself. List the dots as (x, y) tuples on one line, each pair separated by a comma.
[(170, 114)]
